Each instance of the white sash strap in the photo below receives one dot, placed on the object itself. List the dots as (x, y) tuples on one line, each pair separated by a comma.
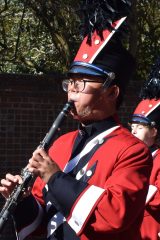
[(90, 145), (151, 191), (154, 153)]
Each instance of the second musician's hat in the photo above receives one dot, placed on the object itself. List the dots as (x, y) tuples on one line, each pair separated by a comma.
[(101, 53), (148, 110)]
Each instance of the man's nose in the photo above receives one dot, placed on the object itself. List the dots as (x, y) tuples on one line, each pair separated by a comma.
[(134, 131)]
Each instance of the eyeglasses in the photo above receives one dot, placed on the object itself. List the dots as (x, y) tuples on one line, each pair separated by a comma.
[(79, 85)]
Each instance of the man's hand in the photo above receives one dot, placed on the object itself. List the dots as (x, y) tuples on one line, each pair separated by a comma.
[(42, 165), (9, 183)]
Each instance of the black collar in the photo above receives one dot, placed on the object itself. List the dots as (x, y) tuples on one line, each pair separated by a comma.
[(153, 148), (88, 132), (97, 127)]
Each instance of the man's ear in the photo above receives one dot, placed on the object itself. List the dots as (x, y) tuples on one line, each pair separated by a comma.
[(154, 132), (113, 92)]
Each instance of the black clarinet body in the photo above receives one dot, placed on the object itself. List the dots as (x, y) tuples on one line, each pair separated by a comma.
[(27, 176)]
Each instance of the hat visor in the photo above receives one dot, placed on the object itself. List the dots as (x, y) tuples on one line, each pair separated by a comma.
[(87, 69), (137, 118)]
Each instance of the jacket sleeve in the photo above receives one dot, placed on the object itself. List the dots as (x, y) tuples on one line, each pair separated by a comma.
[(28, 217), (112, 207), (30, 213), (153, 205)]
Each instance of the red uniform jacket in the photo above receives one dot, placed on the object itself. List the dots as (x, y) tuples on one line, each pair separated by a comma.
[(151, 221), (106, 198)]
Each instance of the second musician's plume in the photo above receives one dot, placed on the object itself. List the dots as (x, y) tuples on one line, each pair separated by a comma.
[(27, 176)]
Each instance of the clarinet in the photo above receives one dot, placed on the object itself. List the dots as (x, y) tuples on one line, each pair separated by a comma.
[(27, 176)]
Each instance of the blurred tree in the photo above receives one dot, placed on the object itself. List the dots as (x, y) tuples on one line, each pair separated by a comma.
[(41, 36), (145, 35), (37, 36)]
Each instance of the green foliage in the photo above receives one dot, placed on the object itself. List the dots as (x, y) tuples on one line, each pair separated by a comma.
[(148, 39), (41, 36), (36, 36)]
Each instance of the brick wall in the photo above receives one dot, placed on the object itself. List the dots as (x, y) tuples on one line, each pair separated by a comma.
[(28, 106), (131, 100)]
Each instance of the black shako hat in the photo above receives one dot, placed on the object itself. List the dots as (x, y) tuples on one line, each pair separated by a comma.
[(101, 53), (147, 111)]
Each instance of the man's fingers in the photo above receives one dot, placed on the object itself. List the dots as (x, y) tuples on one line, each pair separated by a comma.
[(19, 178), (12, 178), (33, 163), (5, 182), (3, 189), (33, 170), (39, 154)]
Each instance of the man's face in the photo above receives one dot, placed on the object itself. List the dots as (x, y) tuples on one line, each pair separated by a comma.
[(90, 104), (144, 133)]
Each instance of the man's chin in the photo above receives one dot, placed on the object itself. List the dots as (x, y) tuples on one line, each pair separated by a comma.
[(81, 115), (76, 116)]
